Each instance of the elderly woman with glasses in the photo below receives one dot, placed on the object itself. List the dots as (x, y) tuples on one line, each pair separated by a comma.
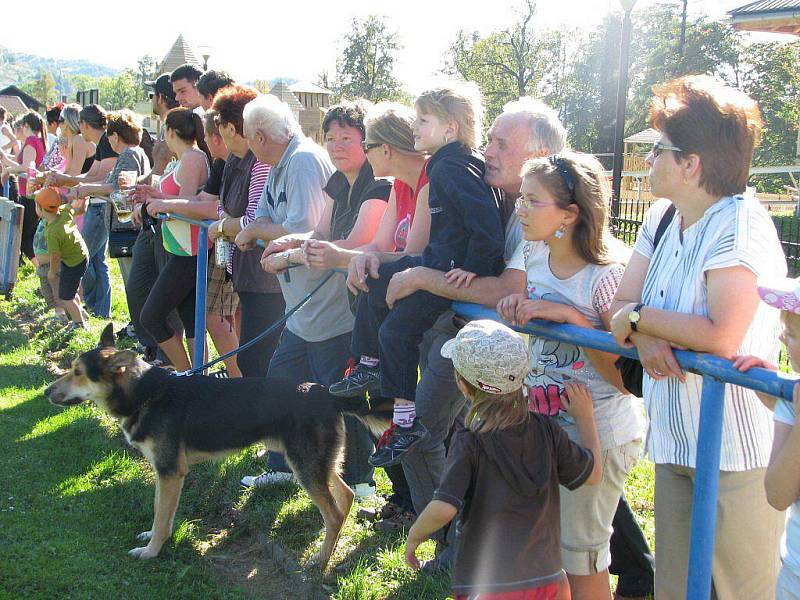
[(696, 288)]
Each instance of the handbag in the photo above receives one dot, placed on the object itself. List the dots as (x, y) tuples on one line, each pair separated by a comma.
[(630, 369), (120, 243)]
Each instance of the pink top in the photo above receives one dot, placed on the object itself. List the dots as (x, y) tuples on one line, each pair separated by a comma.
[(168, 185), (38, 145)]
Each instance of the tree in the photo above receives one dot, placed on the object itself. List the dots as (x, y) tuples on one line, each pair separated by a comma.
[(517, 61), (771, 76), (146, 69), (364, 69), (119, 92), (710, 47), (43, 88)]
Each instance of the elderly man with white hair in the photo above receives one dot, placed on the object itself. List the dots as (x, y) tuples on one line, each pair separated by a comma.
[(526, 129), (315, 343)]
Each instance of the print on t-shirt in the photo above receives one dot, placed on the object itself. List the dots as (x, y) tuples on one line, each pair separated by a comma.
[(401, 232), (553, 363)]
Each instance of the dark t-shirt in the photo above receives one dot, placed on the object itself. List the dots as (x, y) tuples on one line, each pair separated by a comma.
[(214, 182), (104, 149), (347, 203), (506, 485)]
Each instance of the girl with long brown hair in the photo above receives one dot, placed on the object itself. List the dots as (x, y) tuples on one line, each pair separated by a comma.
[(573, 266)]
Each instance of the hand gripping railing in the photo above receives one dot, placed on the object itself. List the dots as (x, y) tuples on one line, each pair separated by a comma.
[(716, 372)]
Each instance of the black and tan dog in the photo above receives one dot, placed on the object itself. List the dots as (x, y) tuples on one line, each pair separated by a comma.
[(179, 421)]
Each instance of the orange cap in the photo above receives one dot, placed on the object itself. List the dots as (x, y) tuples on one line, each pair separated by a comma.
[(48, 200)]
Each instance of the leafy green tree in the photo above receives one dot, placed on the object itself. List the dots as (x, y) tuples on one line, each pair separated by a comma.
[(118, 92), (771, 76), (505, 64), (711, 47), (365, 67), (146, 70)]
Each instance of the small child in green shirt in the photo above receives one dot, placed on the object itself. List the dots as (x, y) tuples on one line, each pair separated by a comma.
[(43, 268), (67, 250)]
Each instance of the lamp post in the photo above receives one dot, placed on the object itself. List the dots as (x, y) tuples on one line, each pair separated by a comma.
[(622, 96)]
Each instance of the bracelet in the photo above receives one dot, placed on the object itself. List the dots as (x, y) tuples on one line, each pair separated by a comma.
[(222, 227)]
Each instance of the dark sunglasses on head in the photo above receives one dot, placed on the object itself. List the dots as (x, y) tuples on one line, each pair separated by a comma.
[(658, 148), (367, 146)]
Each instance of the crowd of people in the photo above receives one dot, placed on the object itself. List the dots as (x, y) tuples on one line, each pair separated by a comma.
[(527, 443)]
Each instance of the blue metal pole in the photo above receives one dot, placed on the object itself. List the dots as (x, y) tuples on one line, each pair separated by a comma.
[(200, 297), (706, 486), (5, 285), (5, 188)]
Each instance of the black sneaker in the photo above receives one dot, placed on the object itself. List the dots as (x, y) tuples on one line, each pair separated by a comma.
[(361, 380), (395, 442)]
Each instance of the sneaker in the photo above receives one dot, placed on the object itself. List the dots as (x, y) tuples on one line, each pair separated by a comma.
[(361, 380), (221, 374), (267, 479), (364, 491), (394, 518), (395, 442)]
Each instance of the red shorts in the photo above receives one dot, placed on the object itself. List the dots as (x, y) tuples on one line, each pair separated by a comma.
[(544, 592)]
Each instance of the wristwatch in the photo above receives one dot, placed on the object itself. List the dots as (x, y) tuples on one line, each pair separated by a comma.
[(634, 316)]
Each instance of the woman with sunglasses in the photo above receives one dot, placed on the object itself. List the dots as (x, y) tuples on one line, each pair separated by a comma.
[(697, 289), (573, 266)]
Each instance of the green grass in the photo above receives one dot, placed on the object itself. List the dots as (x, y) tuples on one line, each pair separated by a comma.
[(73, 497)]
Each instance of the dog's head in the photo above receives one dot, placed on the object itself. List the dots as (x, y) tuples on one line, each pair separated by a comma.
[(95, 374)]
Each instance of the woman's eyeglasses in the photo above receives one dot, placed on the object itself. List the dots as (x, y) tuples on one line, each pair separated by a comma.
[(367, 146), (658, 148)]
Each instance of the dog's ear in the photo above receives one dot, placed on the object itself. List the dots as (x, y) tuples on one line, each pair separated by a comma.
[(118, 362), (107, 339)]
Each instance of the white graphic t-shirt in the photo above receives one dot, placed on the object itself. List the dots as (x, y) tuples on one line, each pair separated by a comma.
[(553, 363)]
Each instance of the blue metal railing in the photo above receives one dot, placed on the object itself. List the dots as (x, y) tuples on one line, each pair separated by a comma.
[(201, 284), (716, 372)]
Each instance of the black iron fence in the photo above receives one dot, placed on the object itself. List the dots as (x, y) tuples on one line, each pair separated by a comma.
[(626, 224)]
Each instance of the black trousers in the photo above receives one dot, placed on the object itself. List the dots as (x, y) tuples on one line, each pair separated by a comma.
[(29, 222), (631, 558), (259, 311), (149, 257), (394, 336), (174, 289)]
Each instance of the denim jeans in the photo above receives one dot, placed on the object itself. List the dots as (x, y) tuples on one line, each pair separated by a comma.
[(394, 336), (322, 362), (96, 282)]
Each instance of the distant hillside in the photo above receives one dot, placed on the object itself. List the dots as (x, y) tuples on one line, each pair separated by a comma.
[(17, 68)]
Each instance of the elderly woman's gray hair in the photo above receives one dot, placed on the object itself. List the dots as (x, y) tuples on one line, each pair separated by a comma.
[(70, 115), (269, 115), (390, 123), (547, 134)]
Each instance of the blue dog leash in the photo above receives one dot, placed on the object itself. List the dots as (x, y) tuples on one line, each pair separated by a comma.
[(272, 328)]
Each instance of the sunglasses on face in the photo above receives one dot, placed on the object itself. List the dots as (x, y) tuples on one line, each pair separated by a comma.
[(658, 148), (367, 146)]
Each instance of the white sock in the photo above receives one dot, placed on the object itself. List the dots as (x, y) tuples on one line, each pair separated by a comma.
[(404, 414), (368, 361)]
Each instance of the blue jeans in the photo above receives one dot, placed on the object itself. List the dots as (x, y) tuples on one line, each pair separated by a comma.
[(96, 282), (323, 362)]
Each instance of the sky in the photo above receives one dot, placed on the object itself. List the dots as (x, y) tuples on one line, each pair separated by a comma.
[(294, 39)]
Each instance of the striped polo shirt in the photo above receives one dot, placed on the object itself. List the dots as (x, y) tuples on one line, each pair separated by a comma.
[(734, 231)]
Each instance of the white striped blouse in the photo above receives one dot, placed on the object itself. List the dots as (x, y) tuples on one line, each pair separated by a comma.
[(735, 231)]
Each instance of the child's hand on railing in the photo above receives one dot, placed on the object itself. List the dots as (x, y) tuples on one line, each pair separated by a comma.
[(747, 362)]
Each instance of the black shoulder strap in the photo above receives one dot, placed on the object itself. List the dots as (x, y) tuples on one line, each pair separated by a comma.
[(666, 219)]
